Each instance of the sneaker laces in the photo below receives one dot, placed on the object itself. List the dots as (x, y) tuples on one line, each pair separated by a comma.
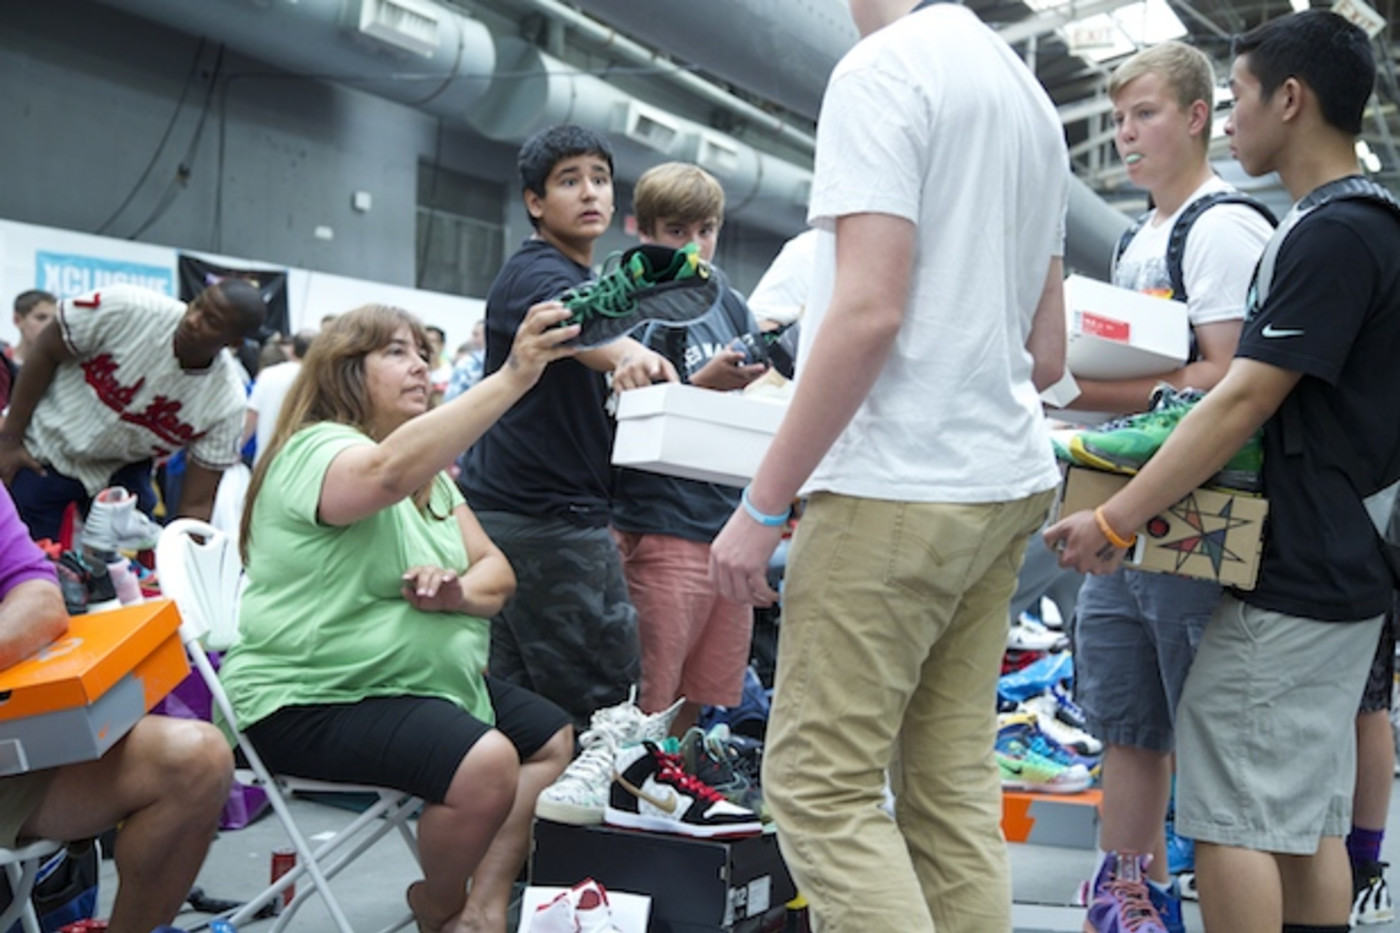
[(609, 295), (594, 765), (673, 773), (1135, 906)]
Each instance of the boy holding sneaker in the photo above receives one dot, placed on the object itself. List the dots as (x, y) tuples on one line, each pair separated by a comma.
[(1136, 633)]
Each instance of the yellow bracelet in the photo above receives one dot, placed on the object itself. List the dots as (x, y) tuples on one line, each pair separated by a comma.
[(1114, 538)]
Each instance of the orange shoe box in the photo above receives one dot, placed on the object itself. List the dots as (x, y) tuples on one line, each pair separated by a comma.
[(1070, 820), (79, 695)]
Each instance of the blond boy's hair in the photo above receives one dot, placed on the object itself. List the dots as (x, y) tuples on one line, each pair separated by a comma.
[(676, 191), (1186, 70)]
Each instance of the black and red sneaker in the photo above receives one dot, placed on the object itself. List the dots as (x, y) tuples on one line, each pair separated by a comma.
[(651, 791)]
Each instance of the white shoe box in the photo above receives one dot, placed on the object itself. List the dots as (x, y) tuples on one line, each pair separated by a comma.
[(1117, 333), (681, 430)]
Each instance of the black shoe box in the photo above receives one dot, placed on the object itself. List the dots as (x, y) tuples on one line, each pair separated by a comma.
[(696, 885)]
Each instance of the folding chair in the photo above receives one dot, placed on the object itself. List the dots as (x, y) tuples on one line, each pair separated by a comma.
[(200, 570), (22, 869)]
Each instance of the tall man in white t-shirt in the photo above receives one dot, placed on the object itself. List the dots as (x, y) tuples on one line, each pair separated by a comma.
[(940, 189), (1136, 633), (123, 375)]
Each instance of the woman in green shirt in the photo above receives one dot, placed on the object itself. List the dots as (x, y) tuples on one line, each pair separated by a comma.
[(364, 628)]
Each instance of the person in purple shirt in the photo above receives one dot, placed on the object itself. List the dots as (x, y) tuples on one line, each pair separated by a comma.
[(165, 782)]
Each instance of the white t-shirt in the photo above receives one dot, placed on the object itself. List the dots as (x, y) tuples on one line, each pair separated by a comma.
[(934, 119), (269, 391), (781, 294), (125, 397), (1222, 248)]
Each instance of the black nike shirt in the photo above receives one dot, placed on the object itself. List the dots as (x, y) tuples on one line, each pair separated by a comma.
[(1333, 314)]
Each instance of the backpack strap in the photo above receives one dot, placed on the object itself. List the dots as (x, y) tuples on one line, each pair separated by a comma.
[(1123, 242), (1181, 229)]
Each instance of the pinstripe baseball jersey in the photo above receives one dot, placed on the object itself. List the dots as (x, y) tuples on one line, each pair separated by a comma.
[(125, 398)]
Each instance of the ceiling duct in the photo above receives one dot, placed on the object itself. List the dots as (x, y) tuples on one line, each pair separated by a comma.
[(412, 51), (542, 91)]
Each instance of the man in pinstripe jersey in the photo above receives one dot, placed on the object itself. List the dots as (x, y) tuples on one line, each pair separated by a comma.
[(121, 376)]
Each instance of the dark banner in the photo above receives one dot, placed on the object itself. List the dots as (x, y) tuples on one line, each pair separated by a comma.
[(196, 275)]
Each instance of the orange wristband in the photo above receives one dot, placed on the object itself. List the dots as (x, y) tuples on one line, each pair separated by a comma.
[(1114, 538)]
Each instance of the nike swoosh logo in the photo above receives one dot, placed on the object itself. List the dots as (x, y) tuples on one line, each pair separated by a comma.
[(1014, 769), (667, 805), (1272, 331)]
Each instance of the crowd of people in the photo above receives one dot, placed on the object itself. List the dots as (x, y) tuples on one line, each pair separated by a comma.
[(447, 579)]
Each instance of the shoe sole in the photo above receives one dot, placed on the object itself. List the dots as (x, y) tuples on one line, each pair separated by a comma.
[(1228, 480), (570, 814), (626, 820), (601, 329), (1035, 788)]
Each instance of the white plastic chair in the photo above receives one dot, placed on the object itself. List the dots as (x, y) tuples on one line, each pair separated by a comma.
[(22, 868), (200, 570)]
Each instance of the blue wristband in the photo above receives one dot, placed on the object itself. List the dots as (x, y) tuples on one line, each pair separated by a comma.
[(763, 518)]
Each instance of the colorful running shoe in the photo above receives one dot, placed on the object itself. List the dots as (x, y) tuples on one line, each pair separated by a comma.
[(1371, 904), (1124, 447), (646, 283), (1120, 901), (1023, 769), (1026, 727)]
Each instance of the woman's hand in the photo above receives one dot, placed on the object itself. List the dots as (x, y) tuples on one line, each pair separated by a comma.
[(433, 589), (539, 341)]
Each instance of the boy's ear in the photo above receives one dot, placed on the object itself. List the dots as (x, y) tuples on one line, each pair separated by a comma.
[(1197, 117), (534, 204)]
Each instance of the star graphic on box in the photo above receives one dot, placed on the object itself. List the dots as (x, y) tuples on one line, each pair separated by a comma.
[(1207, 535)]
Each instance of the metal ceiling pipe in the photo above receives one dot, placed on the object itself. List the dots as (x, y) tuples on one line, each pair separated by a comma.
[(437, 48), (782, 50), (542, 91)]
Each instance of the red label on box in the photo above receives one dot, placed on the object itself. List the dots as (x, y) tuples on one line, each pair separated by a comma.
[(1105, 327)]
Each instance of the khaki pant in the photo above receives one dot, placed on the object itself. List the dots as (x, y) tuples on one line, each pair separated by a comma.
[(894, 624)]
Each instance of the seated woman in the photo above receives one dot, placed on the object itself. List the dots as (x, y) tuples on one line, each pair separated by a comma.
[(364, 626)]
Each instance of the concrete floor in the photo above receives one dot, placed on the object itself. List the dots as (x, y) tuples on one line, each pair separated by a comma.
[(1045, 878)]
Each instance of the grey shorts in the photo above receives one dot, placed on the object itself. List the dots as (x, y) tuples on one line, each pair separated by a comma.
[(1266, 748), (1135, 634), (570, 631), (19, 798)]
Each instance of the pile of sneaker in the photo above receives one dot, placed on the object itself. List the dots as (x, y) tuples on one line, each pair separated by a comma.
[(584, 908), (1124, 445), (579, 795), (645, 283)]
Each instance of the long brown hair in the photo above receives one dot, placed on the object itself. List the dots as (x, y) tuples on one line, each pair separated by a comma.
[(331, 387)]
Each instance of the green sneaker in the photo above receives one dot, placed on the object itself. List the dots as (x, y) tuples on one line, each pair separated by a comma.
[(647, 282), (1124, 446)]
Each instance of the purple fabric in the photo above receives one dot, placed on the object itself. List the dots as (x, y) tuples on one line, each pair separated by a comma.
[(21, 560), (191, 699)]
